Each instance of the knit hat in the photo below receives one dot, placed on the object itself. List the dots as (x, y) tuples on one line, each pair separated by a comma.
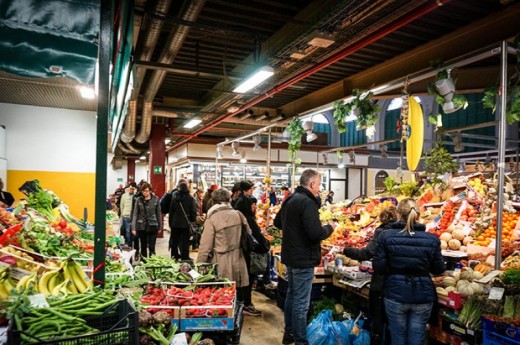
[(245, 185), (213, 187)]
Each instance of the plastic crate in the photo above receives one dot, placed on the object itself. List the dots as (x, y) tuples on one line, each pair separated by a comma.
[(500, 333), (119, 325)]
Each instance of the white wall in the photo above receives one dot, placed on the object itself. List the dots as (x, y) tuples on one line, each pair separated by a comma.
[(54, 140)]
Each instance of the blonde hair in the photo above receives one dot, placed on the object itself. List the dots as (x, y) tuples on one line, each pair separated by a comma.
[(408, 211)]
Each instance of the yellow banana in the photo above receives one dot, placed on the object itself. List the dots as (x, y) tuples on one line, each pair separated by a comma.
[(55, 280), (31, 283), (4, 295), (68, 275), (77, 275), (22, 283), (58, 288), (43, 283)]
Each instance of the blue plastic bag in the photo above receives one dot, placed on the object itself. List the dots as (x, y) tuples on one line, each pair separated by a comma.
[(363, 338), (340, 333), (319, 331)]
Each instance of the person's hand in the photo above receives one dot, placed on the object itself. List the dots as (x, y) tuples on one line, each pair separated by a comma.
[(134, 232)]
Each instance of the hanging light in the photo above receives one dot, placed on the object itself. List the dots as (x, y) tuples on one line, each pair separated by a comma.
[(286, 136), (143, 158), (243, 157), (192, 123), (446, 88), (457, 141), (341, 162), (352, 157), (255, 79), (384, 151), (235, 145), (370, 131), (167, 141), (219, 152), (257, 140), (325, 158), (248, 113)]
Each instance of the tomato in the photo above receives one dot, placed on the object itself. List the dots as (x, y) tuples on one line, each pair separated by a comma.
[(63, 224)]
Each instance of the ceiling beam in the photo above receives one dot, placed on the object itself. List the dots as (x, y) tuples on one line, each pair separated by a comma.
[(490, 30)]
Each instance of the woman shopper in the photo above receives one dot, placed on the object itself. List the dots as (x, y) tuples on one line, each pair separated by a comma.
[(407, 255), (378, 334), (220, 241), (248, 207), (183, 209), (146, 220)]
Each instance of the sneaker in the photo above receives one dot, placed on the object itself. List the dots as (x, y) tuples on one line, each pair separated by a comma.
[(251, 310), (287, 339)]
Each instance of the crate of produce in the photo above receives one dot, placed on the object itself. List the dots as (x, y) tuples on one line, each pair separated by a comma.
[(451, 326), (500, 333), (119, 325), (173, 311), (211, 308)]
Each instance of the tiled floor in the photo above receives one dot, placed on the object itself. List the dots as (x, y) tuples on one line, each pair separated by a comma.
[(261, 330)]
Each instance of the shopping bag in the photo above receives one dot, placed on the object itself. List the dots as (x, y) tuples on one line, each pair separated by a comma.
[(340, 333), (319, 331)]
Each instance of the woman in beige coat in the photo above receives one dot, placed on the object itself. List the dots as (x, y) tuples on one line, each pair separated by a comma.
[(220, 241)]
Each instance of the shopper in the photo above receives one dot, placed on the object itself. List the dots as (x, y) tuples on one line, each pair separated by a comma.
[(270, 194), (207, 202), (248, 207), (201, 216), (301, 252), (146, 220), (126, 213), (246, 191), (330, 198), (286, 192), (378, 334), (407, 255), (183, 209), (220, 242), (235, 191), (6, 198)]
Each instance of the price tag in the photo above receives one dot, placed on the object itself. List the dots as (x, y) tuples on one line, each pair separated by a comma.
[(466, 230), (496, 293), (38, 301), (179, 339), (194, 274)]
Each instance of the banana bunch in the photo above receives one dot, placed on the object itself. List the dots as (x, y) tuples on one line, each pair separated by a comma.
[(27, 282), (364, 219), (6, 284), (69, 278)]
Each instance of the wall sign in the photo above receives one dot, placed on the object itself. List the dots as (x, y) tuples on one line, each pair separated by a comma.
[(157, 169)]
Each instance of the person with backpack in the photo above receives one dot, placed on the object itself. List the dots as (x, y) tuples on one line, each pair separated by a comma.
[(183, 209)]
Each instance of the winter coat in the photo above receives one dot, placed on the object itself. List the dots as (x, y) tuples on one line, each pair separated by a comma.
[(177, 219), (302, 230), (147, 214), (244, 206), (220, 243), (407, 261)]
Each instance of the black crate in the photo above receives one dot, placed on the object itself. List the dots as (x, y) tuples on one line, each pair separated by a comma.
[(119, 325)]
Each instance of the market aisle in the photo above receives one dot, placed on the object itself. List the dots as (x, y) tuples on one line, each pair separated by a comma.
[(265, 329)]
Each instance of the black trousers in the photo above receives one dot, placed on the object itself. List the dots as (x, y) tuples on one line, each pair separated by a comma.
[(147, 241), (180, 243)]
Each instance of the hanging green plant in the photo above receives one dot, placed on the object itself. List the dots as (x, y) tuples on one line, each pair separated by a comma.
[(340, 114), (366, 111), (513, 99), (439, 161), (443, 77), (296, 131)]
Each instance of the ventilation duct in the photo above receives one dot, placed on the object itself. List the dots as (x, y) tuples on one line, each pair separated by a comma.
[(168, 55), (124, 149), (150, 41)]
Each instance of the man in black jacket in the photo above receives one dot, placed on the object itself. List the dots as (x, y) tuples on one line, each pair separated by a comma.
[(183, 209), (301, 252)]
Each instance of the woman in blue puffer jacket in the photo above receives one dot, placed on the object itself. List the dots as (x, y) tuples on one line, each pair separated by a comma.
[(407, 255)]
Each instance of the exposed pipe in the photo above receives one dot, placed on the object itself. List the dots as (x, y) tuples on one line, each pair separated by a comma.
[(124, 149), (150, 41), (128, 149), (168, 55), (374, 36), (128, 133)]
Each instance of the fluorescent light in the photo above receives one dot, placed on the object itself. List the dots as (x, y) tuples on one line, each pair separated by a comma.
[(243, 160), (320, 39), (255, 79), (87, 92), (167, 141), (192, 123), (143, 158)]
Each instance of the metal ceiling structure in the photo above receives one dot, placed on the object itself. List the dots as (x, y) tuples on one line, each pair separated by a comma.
[(189, 55)]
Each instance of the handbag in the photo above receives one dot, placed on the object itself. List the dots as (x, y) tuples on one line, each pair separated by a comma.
[(258, 263), (192, 226), (247, 241)]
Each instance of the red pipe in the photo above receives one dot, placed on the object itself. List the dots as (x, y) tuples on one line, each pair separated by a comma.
[(380, 33)]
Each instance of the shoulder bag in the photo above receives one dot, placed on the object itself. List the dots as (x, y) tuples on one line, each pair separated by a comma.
[(192, 226)]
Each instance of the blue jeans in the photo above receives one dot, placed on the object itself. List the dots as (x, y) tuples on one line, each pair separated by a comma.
[(407, 322), (128, 232), (297, 302)]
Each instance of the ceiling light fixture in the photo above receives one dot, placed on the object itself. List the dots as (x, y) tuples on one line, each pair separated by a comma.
[(276, 118), (235, 145), (143, 158), (220, 154), (247, 113), (325, 158), (257, 140), (384, 151), (243, 158), (286, 136), (167, 141), (320, 39), (255, 79), (233, 108), (192, 123), (307, 127), (262, 117), (341, 160), (352, 157), (298, 54), (457, 141)]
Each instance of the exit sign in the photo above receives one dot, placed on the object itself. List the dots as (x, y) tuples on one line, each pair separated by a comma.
[(157, 169)]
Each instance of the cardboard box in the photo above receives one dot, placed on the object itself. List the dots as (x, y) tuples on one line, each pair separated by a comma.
[(453, 327)]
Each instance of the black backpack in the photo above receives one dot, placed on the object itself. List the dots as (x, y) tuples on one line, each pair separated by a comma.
[(165, 202)]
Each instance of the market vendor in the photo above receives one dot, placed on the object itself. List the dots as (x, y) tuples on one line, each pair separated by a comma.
[(6, 198)]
